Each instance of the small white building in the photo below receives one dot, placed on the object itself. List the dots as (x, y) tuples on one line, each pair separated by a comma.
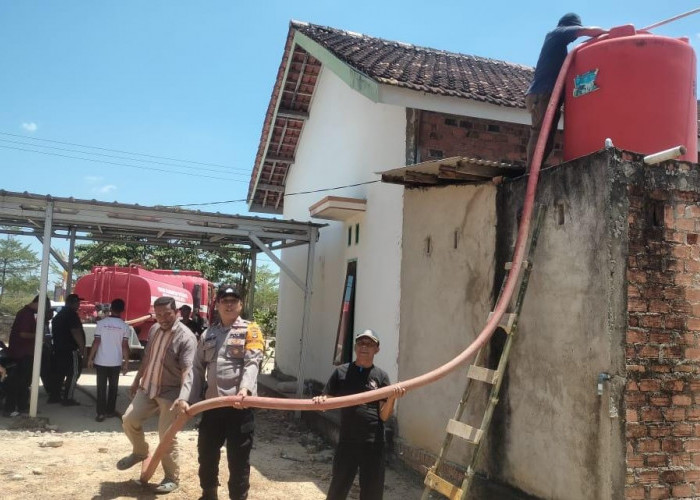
[(344, 107)]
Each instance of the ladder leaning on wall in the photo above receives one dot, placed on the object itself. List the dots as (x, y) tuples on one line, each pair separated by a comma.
[(476, 372)]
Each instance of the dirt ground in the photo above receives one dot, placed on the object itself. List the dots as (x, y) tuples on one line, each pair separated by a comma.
[(75, 457)]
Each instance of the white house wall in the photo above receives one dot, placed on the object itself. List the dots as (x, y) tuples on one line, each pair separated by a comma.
[(345, 140)]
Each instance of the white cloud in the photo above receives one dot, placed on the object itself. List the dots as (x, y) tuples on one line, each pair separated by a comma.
[(30, 126), (92, 179), (108, 188), (97, 184)]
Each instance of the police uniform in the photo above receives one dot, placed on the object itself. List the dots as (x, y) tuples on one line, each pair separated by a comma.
[(227, 360)]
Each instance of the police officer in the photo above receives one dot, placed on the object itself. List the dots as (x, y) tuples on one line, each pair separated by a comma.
[(228, 360)]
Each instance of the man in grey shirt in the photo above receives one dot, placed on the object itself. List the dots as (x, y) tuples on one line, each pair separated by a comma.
[(229, 356), (166, 362)]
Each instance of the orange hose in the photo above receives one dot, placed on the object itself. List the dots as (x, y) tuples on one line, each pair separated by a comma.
[(149, 465)]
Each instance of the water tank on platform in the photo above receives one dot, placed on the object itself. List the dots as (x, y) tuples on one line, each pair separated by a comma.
[(636, 88)]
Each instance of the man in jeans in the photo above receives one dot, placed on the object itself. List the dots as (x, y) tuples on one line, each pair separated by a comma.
[(549, 63), (109, 354), (167, 360)]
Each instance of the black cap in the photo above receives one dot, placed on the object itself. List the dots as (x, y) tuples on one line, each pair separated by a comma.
[(570, 19), (73, 298), (227, 291)]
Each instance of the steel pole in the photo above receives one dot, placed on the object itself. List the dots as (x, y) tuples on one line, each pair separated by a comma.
[(41, 312)]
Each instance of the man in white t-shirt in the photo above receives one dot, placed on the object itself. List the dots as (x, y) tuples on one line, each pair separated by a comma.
[(109, 354)]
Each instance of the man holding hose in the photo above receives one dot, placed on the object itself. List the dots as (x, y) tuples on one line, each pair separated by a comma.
[(227, 363), (361, 441)]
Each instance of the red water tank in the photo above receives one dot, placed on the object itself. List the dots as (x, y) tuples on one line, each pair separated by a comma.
[(635, 88)]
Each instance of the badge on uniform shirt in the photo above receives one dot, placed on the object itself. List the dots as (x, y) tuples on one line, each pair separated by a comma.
[(373, 384), (235, 348)]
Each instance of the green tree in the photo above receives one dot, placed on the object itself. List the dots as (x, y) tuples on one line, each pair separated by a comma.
[(266, 293), (19, 274)]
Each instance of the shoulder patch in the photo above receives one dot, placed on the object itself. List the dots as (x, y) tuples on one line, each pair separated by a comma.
[(254, 337)]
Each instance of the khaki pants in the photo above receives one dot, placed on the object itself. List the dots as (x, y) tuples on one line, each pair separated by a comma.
[(142, 408), (536, 104)]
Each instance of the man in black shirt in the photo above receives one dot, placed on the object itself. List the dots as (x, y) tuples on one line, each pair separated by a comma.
[(361, 442), (549, 63), (69, 351), (194, 323)]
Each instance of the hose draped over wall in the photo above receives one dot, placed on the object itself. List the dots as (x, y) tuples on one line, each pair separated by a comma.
[(149, 465)]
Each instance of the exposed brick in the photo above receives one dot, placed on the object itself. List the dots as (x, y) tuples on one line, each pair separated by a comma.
[(672, 445), (683, 430), (682, 491), (692, 445), (634, 493), (681, 460), (636, 336), (631, 416), (674, 322), (660, 430), (660, 400), (636, 368), (672, 352), (649, 385), (674, 385), (672, 476), (692, 354), (674, 414), (650, 415), (660, 337), (652, 445), (681, 400), (650, 321), (636, 431), (656, 460), (649, 351)]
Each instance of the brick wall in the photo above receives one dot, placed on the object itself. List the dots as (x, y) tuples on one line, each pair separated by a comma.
[(442, 135), (662, 396)]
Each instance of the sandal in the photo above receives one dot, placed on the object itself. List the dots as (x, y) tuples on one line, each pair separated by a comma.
[(165, 486), (129, 461), (100, 418)]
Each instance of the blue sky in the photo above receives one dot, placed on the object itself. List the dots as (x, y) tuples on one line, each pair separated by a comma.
[(191, 80)]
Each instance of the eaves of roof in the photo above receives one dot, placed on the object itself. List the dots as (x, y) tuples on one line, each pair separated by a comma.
[(365, 64)]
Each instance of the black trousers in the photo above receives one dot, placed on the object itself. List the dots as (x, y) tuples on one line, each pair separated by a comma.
[(19, 378), (107, 399), (68, 366), (369, 458), (235, 428)]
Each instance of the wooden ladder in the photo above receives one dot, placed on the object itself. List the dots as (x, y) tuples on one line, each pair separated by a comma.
[(476, 372)]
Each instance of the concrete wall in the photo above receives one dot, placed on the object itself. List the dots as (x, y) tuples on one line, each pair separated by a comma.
[(446, 297), (345, 140), (552, 436)]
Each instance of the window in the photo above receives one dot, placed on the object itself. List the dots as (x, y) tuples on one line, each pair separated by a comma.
[(349, 235), (357, 233)]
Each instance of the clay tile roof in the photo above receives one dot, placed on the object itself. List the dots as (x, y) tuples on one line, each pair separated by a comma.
[(424, 69)]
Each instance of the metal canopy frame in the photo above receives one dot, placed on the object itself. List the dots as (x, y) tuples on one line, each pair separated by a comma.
[(46, 217)]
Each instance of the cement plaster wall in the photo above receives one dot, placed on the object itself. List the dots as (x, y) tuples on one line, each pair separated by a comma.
[(446, 297), (553, 436)]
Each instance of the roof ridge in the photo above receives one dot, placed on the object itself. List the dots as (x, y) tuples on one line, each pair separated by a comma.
[(418, 48)]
